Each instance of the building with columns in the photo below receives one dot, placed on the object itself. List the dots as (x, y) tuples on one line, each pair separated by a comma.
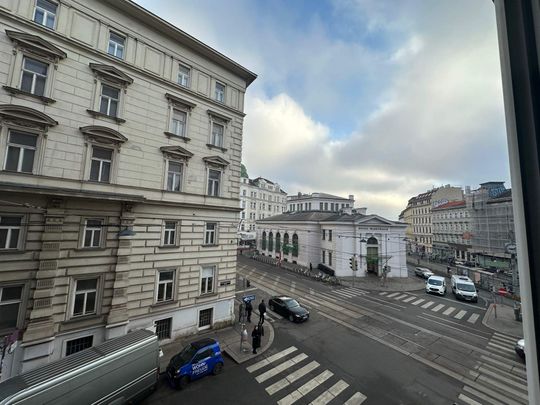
[(332, 238), (259, 198), (318, 202), (121, 139)]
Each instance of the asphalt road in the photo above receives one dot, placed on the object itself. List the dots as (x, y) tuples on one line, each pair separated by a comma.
[(373, 347)]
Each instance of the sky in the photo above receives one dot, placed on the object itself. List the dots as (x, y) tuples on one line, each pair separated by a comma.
[(382, 99)]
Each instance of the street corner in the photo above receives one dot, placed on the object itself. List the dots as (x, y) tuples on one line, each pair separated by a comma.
[(239, 346), (501, 318)]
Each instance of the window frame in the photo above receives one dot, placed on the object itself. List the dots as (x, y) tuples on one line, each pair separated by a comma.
[(101, 161), (124, 37), (205, 327), (22, 231), (173, 283), (46, 13), (109, 98), (22, 301), (217, 92), (165, 231), (37, 150), (219, 182), (172, 131), (211, 234), (180, 75), (73, 292), (66, 342), (102, 236), (221, 135), (183, 165), (208, 290), (34, 75)]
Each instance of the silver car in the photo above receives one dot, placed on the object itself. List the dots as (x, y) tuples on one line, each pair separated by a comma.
[(423, 272)]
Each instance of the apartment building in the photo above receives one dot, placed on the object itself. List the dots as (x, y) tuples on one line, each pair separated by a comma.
[(121, 140), (318, 202), (452, 231), (259, 198)]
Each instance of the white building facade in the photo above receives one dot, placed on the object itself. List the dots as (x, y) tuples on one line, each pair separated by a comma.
[(120, 139), (259, 198), (331, 239), (452, 231), (318, 202)]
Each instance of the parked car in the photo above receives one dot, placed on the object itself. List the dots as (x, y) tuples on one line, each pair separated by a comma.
[(436, 284), (463, 288), (423, 272), (196, 360), (289, 308), (520, 348)]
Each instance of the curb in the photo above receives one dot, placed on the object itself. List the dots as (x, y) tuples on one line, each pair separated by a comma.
[(261, 350), (484, 322)]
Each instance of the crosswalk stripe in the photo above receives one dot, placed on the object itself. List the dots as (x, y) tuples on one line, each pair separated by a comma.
[(518, 369), (311, 291), (271, 359), (282, 367), (428, 304), (481, 395), (400, 296), (505, 337), (449, 311), (460, 314), (293, 286), (496, 384), (504, 380), (468, 400), (356, 399), (294, 376), (359, 290), (392, 295), (345, 294), (499, 347), (419, 301), (437, 308), (473, 318), (519, 377), (383, 293), (330, 393), (409, 299), (504, 341), (306, 388)]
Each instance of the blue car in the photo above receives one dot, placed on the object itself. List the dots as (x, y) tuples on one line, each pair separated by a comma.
[(196, 360)]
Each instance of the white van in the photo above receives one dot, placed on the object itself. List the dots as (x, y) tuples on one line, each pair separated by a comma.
[(463, 288), (436, 284)]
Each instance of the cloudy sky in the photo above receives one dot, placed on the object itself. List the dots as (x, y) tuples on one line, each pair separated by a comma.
[(382, 99)]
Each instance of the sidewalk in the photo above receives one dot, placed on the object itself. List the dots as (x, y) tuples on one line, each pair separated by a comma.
[(390, 284), (228, 338), (501, 318)]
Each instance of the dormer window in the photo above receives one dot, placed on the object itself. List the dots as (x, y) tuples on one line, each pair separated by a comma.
[(45, 13)]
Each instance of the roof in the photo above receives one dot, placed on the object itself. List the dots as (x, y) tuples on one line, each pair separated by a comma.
[(322, 216), (450, 205), (504, 196), (300, 196)]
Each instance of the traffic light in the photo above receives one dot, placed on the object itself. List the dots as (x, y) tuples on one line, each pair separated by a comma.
[(351, 263), (355, 264)]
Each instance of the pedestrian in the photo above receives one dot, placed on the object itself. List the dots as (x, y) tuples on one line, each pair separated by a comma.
[(262, 311), (241, 312), (249, 309), (243, 337), (447, 270), (255, 339), (261, 329), (310, 267)]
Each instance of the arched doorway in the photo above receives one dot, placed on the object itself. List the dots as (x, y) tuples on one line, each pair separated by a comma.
[(372, 255), (270, 241), (263, 242), (286, 244), (278, 242), (295, 245)]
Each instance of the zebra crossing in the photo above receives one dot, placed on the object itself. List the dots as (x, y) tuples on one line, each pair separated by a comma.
[(500, 378), (348, 292), (290, 376), (442, 309)]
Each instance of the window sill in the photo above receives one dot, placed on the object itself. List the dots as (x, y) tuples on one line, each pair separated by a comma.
[(101, 115), (98, 182), (82, 318), (90, 248), (207, 295), (168, 246), (11, 251), (14, 90), (210, 146), (209, 245), (163, 303), (174, 136)]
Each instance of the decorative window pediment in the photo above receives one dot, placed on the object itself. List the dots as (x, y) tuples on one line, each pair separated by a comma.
[(26, 117), (180, 102), (110, 73), (218, 116), (176, 152), (103, 135), (36, 45), (216, 161)]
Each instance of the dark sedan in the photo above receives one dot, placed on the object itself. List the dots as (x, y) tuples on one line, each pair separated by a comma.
[(289, 308)]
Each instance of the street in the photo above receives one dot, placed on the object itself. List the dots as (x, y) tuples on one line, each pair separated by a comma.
[(367, 347)]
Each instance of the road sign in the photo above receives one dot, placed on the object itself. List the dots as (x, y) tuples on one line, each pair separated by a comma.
[(248, 298)]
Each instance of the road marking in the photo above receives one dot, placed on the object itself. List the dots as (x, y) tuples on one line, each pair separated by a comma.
[(282, 367), (383, 293), (437, 308), (293, 286), (330, 393), (306, 388), (513, 367), (419, 301), (460, 314), (509, 339), (507, 389), (468, 400), (311, 291), (505, 380), (460, 329), (449, 311), (499, 347), (288, 380), (428, 304), (392, 295), (473, 318), (271, 359), (481, 395), (356, 399), (399, 297), (277, 281), (503, 341), (409, 299), (344, 294)]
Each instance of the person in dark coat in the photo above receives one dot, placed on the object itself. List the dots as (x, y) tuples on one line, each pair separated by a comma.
[(261, 329), (255, 339), (262, 311), (249, 309)]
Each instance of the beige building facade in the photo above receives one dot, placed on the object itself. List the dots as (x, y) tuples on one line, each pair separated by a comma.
[(121, 140), (259, 198)]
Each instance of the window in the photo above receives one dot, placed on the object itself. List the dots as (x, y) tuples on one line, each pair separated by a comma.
[(178, 124), (220, 92), (210, 234), (92, 233), (330, 235), (326, 206), (163, 328), (84, 302), (116, 45), (323, 234), (165, 285), (100, 169), (174, 176), (76, 345), (10, 303), (330, 258), (323, 256), (205, 318), (21, 150), (214, 178), (10, 231), (321, 206), (207, 280), (34, 76), (169, 233), (183, 76), (45, 13), (217, 134), (109, 98)]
